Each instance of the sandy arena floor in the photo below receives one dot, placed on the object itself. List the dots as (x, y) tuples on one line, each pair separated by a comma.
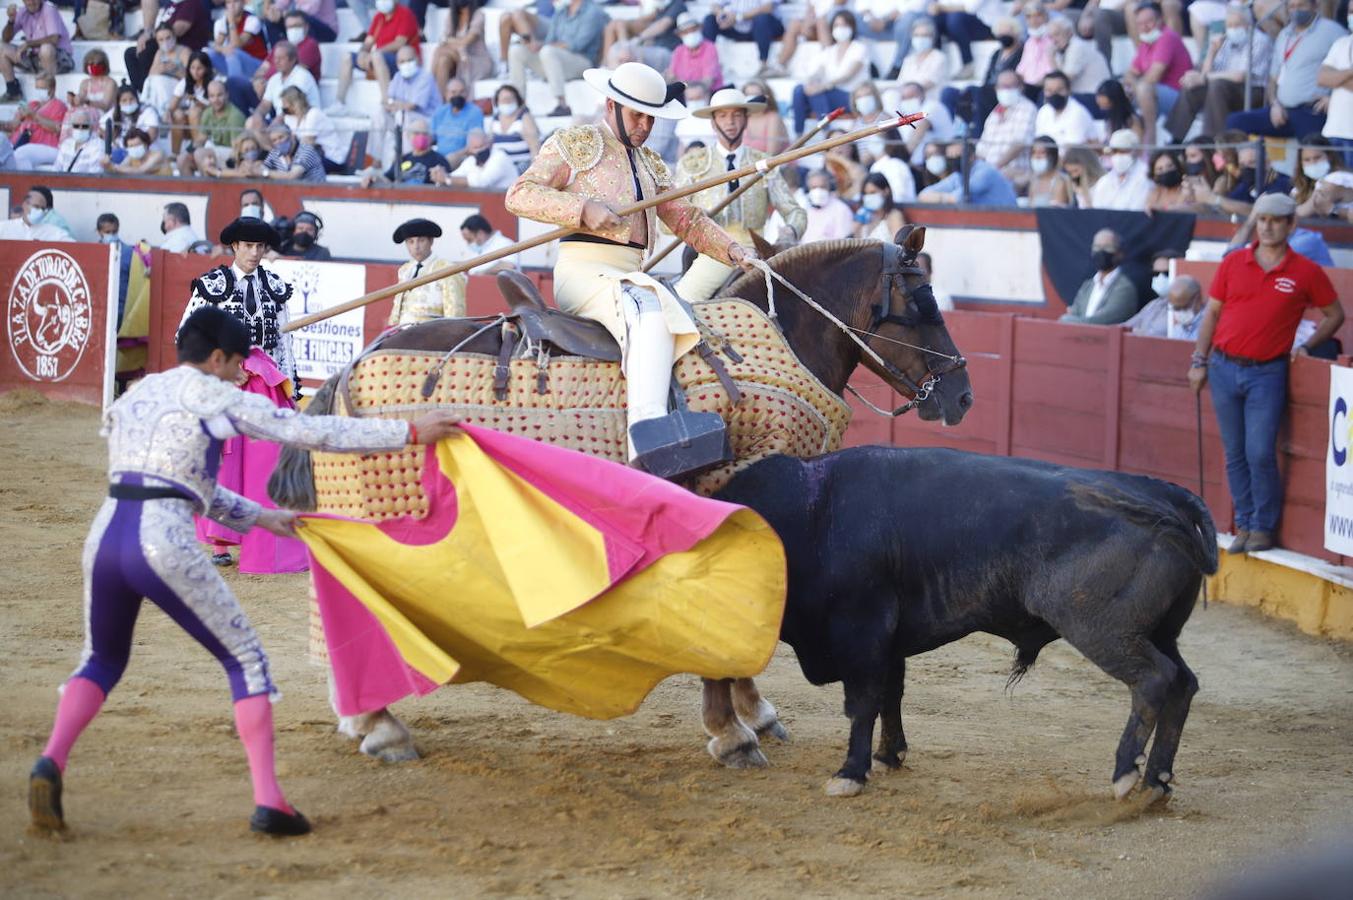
[(1004, 795)]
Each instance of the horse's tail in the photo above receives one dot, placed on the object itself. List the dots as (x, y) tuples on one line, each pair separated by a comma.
[(292, 485)]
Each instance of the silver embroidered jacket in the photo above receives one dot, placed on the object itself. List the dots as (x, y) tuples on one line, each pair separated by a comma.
[(224, 286), (171, 426)]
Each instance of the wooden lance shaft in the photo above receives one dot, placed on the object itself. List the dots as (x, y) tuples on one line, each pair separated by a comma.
[(747, 185), (713, 181)]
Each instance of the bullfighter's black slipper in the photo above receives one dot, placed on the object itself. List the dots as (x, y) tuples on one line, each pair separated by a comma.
[(267, 820), (44, 795)]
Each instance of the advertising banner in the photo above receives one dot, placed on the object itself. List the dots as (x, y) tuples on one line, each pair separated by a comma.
[(1338, 465), (324, 348)]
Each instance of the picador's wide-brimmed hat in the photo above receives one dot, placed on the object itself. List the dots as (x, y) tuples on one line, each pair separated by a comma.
[(639, 87), (254, 230), (728, 98), (417, 228)]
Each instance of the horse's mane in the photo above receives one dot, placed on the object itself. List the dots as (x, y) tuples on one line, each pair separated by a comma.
[(800, 265)]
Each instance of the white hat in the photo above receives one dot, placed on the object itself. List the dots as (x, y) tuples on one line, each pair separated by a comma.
[(1124, 139), (639, 87), (686, 20), (728, 98)]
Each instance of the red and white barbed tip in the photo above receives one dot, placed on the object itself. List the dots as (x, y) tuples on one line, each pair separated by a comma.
[(907, 119)]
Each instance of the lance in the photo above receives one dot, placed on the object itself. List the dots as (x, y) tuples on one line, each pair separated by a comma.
[(747, 185), (761, 166)]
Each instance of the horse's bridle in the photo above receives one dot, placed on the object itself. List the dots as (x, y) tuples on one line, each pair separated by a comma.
[(918, 309)]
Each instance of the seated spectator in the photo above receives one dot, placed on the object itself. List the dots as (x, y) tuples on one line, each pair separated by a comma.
[(1319, 184), (965, 21), (392, 28), (1048, 184), (572, 44), (177, 228), (1009, 130), (1062, 117), (35, 130), (1127, 184), (1110, 18), (216, 127), (192, 27), (866, 106), (926, 64), (237, 46), (766, 130), (1198, 167), (190, 99), (36, 221), (1038, 58), (319, 18), (462, 51), (1167, 190), (527, 24), (482, 238), (305, 46), (106, 226), (1236, 189), (1336, 75), (1159, 64), (304, 240), (1079, 59), (1219, 88), (926, 264), (879, 218), (81, 153), (973, 104), (140, 156), (1297, 101), (893, 165), (695, 62), (97, 89), (512, 128), (289, 74), (936, 126), (747, 20), (1082, 166), (412, 89), (418, 166), (1175, 314), (291, 159), (313, 127), (828, 217), (168, 68), (485, 167), (986, 185), (1108, 297), (814, 25), (458, 116), (46, 46), (1116, 110), (1160, 270), (654, 32), (839, 69), (130, 114)]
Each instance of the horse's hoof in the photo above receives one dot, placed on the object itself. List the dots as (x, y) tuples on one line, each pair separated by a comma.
[(395, 753), (1123, 784), (743, 756), (889, 764), (347, 727), (843, 787), (775, 730)]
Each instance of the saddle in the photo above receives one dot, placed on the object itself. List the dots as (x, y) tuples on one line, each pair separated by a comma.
[(571, 335)]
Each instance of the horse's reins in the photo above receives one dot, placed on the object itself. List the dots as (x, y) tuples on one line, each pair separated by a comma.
[(919, 392)]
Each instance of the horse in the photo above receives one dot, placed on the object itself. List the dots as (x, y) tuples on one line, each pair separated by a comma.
[(839, 304)]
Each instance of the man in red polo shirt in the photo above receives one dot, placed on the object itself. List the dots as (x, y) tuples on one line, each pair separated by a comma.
[(1258, 296), (393, 27)]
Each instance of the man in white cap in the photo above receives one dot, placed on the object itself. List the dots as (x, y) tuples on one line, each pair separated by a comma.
[(581, 176), (1126, 184), (729, 109)]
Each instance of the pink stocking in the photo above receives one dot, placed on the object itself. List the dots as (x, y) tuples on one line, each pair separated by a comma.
[(253, 720), (80, 703)]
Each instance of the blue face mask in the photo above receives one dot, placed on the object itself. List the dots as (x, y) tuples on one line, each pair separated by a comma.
[(35, 216)]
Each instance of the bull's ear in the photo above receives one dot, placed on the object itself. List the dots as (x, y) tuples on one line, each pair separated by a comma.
[(911, 238)]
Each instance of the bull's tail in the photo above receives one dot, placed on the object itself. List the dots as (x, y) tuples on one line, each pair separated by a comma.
[(292, 484), (1194, 510), (1171, 511)]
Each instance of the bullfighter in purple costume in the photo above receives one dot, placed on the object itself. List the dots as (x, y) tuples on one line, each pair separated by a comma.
[(164, 443)]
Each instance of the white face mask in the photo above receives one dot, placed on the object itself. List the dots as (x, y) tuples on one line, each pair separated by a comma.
[(408, 68), (1149, 37), (385, 7), (1039, 164), (937, 165), (507, 109), (295, 35), (128, 109), (872, 202), (819, 196), (1177, 323), (1160, 283), (1236, 35), (80, 134), (909, 105), (1008, 97), (138, 151), (692, 39), (922, 42), (867, 105), (35, 216), (1038, 31), (252, 211), (1122, 162), (110, 238), (1316, 171), (842, 34)]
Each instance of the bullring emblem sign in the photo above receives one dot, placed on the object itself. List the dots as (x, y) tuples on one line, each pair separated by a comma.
[(49, 316)]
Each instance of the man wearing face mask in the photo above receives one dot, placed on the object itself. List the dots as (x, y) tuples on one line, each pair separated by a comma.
[(33, 224), (728, 111), (107, 226), (1061, 117), (1079, 58), (1175, 314), (456, 118), (176, 226), (291, 159), (296, 34), (252, 205), (1159, 64), (480, 238), (442, 298), (304, 241), (1039, 49), (1126, 184), (290, 73), (1219, 88), (484, 167), (419, 165), (986, 185), (82, 152), (1297, 101), (580, 178), (393, 27), (829, 218), (412, 91), (1108, 296), (1009, 130)]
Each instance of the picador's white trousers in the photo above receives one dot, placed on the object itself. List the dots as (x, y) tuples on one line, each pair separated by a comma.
[(652, 352)]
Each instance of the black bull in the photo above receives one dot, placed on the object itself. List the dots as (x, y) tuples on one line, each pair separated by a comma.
[(893, 552)]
